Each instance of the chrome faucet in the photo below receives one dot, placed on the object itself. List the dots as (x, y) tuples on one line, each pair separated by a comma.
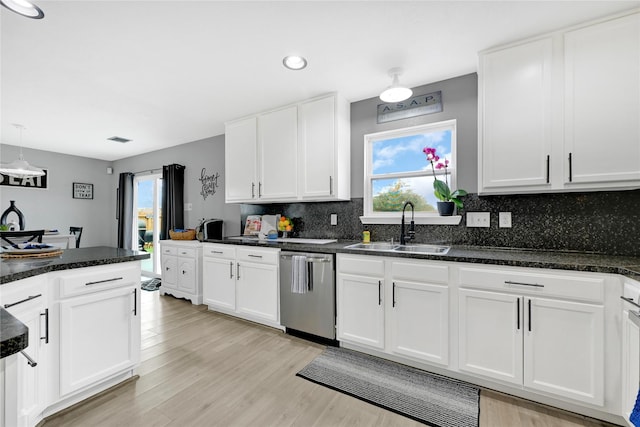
[(411, 233)]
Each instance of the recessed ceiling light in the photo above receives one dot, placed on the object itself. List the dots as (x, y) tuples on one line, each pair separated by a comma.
[(118, 139), (294, 62), (24, 8)]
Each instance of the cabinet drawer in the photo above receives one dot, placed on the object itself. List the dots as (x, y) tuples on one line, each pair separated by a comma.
[(551, 284), (169, 250), (363, 265), (93, 279), (262, 256), (219, 251), (419, 272), (30, 292), (187, 252)]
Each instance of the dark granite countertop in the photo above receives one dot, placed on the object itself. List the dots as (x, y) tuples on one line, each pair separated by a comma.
[(552, 259), (15, 335), (16, 269)]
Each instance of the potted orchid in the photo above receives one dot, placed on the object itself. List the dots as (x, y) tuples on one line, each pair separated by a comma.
[(441, 190)]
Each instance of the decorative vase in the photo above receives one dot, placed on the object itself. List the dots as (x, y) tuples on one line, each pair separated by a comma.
[(14, 209), (446, 208)]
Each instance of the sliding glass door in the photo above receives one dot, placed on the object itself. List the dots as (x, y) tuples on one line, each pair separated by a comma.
[(147, 191)]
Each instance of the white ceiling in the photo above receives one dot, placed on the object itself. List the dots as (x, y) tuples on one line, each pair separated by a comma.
[(164, 73)]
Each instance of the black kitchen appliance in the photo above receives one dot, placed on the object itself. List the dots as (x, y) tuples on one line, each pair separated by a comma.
[(210, 229)]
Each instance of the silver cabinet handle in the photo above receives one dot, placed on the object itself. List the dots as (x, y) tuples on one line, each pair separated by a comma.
[(529, 301), (216, 252), (255, 256), (548, 159), (29, 298), (230, 269), (630, 301), (46, 325), (253, 190), (379, 292), (103, 281), (183, 253), (518, 314), (238, 271), (135, 301), (259, 189), (330, 185), (393, 295), (30, 361), (570, 167), (535, 285)]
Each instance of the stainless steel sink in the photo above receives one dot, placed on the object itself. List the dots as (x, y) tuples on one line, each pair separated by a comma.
[(377, 246), (423, 249), (393, 247)]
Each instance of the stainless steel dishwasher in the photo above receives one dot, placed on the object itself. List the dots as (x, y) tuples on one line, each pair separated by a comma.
[(314, 310)]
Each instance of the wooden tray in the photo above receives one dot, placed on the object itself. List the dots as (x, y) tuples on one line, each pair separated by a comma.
[(33, 255)]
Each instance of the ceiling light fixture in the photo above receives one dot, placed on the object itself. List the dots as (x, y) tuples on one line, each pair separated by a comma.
[(19, 168), (294, 62), (395, 92), (24, 8)]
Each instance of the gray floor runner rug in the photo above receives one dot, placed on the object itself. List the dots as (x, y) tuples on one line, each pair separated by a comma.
[(431, 399), (150, 285)]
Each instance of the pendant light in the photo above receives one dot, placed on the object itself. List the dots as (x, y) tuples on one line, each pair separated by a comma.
[(24, 8), (395, 92), (19, 168)]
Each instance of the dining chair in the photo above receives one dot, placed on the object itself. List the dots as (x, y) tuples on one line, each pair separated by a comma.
[(14, 238), (76, 231)]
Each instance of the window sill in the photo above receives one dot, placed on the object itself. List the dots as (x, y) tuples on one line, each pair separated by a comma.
[(431, 220)]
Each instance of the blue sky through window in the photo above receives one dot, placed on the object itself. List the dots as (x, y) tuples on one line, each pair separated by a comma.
[(405, 154)]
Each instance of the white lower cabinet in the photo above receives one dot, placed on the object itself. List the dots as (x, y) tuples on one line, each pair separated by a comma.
[(630, 348), (181, 273), (99, 325), (242, 281), (25, 383), (542, 343), (400, 307)]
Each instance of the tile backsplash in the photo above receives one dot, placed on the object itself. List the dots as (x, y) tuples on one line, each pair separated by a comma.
[(604, 222)]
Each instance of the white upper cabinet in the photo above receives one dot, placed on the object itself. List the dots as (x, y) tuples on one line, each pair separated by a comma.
[(561, 113), (516, 115), (602, 102), (297, 153), (324, 149), (278, 155), (240, 150)]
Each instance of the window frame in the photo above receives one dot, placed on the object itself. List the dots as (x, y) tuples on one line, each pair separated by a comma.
[(371, 217)]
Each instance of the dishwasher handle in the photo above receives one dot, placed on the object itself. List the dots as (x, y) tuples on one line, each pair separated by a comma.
[(310, 259)]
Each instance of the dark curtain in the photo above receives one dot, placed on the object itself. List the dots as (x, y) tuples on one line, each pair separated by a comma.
[(172, 199), (125, 210)]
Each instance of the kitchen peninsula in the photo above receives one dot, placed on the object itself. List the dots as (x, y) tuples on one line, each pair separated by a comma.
[(82, 311)]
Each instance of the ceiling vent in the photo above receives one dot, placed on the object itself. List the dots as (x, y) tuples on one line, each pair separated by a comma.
[(119, 139)]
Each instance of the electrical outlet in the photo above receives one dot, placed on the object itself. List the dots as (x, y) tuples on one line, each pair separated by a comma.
[(334, 219), (188, 206), (504, 219), (478, 219)]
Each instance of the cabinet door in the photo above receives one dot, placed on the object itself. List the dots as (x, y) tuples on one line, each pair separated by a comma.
[(219, 283), (187, 275), (360, 310), (630, 363), (602, 89), (169, 265), (515, 116), (240, 160), (564, 349), (257, 290), (99, 336), (317, 129), (490, 335), (278, 155), (32, 380), (420, 321)]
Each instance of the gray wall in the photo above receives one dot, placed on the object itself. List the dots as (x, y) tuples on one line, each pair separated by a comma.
[(459, 100), (55, 208), (207, 153)]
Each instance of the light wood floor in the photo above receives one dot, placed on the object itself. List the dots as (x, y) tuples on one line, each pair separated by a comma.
[(201, 368)]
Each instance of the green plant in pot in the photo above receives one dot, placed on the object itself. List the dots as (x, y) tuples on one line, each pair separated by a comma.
[(448, 199)]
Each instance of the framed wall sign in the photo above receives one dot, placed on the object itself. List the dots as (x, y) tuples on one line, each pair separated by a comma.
[(82, 190)]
